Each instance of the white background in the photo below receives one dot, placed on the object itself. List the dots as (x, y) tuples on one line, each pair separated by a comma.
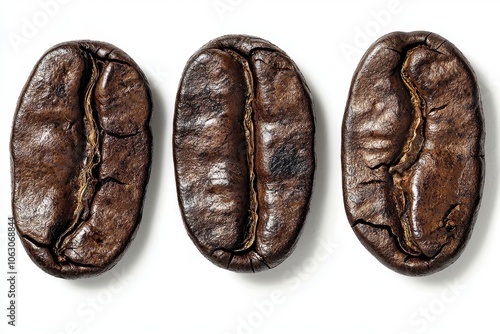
[(330, 284)]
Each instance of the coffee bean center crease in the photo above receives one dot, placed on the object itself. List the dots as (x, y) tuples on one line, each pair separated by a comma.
[(88, 180)]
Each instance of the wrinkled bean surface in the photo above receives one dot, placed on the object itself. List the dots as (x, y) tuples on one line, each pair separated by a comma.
[(81, 155), (412, 152)]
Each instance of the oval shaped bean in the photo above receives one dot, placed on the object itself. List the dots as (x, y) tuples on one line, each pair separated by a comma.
[(81, 155), (243, 152), (412, 152)]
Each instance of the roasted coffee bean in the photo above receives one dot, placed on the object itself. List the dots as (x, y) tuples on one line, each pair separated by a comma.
[(243, 152), (412, 152), (81, 155)]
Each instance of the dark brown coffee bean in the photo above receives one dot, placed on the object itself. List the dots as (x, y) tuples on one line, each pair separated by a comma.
[(412, 152), (244, 152), (81, 155)]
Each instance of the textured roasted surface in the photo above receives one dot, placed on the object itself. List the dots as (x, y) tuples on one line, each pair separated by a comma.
[(243, 152), (412, 152), (81, 155)]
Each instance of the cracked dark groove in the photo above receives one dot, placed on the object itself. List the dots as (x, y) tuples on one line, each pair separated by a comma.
[(91, 163)]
